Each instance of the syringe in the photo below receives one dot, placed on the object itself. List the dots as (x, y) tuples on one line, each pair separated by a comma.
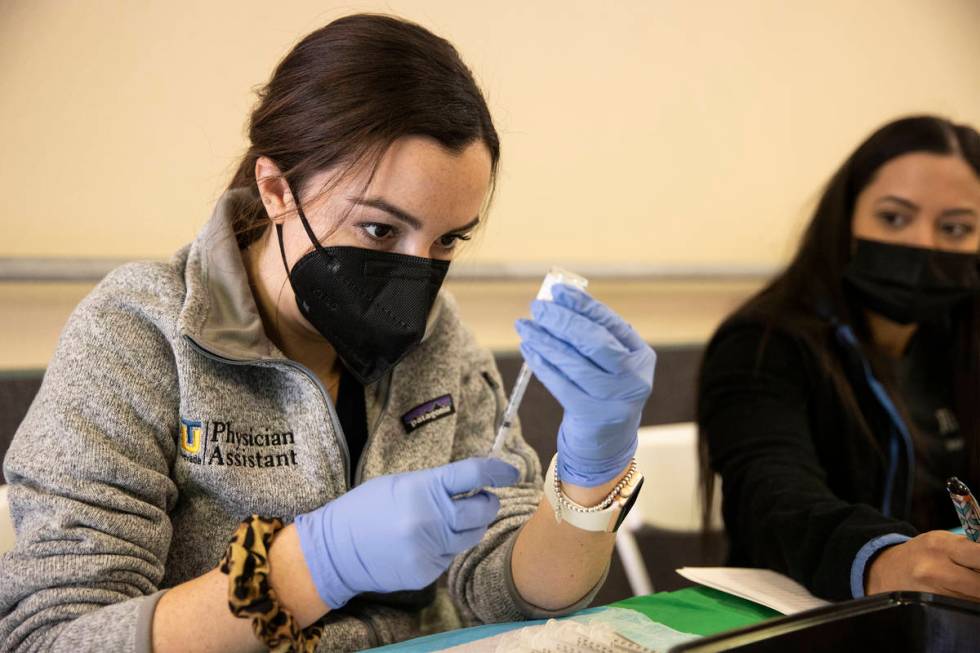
[(555, 275)]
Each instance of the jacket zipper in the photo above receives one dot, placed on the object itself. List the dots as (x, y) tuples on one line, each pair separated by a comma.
[(386, 400), (338, 431), (498, 409)]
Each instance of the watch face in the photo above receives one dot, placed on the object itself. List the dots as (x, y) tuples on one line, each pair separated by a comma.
[(630, 500)]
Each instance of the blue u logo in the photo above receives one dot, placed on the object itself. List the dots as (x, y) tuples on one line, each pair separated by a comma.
[(190, 435)]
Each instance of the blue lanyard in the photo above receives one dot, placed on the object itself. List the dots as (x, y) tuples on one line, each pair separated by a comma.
[(846, 336)]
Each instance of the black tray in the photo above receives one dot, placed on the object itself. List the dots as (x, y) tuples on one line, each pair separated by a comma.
[(894, 623)]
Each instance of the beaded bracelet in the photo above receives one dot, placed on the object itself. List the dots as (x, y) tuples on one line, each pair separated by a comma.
[(571, 505)]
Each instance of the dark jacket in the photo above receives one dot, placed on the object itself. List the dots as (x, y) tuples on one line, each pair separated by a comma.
[(805, 491)]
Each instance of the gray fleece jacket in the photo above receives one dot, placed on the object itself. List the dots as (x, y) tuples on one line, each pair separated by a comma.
[(167, 415)]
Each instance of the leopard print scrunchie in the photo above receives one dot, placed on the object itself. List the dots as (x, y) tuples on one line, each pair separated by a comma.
[(251, 596)]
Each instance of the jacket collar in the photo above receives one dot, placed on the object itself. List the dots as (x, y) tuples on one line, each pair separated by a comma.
[(220, 313)]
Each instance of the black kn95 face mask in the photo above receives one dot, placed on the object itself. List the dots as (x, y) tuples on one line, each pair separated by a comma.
[(910, 284), (371, 306)]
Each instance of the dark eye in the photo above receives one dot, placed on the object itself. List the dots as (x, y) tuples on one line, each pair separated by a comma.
[(377, 230), (449, 240), (893, 220), (956, 230)]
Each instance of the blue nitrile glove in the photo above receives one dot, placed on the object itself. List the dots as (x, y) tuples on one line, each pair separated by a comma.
[(599, 370), (399, 532)]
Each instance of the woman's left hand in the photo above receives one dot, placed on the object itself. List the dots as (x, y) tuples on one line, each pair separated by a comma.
[(600, 371)]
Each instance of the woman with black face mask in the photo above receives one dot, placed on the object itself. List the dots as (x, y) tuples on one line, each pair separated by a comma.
[(296, 382), (835, 403)]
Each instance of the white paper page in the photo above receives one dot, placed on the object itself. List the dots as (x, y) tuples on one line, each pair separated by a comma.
[(764, 586)]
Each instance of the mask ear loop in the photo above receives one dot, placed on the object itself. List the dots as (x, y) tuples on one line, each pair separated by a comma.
[(306, 227), (282, 249)]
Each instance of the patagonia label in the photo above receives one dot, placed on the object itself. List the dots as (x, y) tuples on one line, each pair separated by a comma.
[(430, 411)]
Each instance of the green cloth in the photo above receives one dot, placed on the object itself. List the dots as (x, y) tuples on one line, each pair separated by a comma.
[(698, 610)]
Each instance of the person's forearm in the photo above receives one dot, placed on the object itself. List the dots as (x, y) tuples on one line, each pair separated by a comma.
[(194, 615), (556, 564)]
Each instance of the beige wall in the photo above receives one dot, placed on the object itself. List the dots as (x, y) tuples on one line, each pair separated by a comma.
[(663, 132), (642, 131)]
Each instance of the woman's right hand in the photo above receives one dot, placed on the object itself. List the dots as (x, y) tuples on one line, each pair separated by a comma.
[(401, 531), (938, 561)]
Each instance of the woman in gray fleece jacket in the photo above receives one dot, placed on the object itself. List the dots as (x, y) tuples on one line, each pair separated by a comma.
[(298, 361)]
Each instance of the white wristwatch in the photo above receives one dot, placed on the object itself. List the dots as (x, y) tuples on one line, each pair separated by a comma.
[(605, 517)]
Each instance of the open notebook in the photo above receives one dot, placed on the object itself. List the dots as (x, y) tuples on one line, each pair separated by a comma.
[(764, 586)]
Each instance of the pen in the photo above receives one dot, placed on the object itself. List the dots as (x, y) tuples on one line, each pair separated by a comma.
[(966, 507)]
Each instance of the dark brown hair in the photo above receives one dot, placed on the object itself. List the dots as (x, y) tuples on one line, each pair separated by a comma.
[(345, 93), (800, 300)]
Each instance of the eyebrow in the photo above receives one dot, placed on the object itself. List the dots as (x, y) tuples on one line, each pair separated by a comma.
[(466, 227), (899, 200), (964, 211), (392, 210), (405, 216), (948, 213)]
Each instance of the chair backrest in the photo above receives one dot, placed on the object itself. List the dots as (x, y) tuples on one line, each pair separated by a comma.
[(6, 523), (670, 498), (17, 390)]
